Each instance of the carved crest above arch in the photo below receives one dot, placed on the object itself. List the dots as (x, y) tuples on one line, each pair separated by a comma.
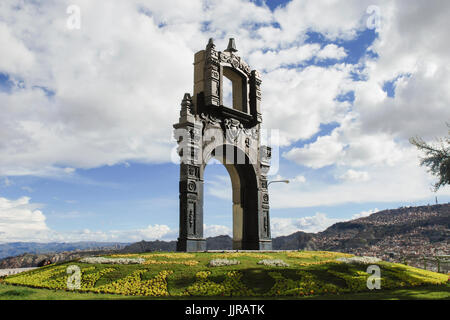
[(233, 129)]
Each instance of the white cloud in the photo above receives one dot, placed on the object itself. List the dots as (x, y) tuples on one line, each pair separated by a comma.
[(334, 19), (331, 51), (312, 224), (15, 58), (219, 186), (308, 99), (107, 106), (149, 233), (404, 181), (371, 143), (298, 179), (7, 182), (216, 230), (323, 152), (153, 232), (287, 226), (296, 55), (26, 188), (364, 214), (353, 175), (271, 60), (20, 220), (419, 66)]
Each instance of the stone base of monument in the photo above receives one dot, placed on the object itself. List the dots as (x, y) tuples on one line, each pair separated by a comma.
[(191, 245), (257, 245), (250, 251), (199, 245)]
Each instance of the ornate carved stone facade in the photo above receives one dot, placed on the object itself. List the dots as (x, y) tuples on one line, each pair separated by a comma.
[(207, 128)]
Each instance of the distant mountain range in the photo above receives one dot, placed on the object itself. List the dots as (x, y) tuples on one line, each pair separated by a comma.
[(12, 249), (388, 234), (406, 231)]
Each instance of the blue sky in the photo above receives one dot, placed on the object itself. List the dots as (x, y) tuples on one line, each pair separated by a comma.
[(86, 134)]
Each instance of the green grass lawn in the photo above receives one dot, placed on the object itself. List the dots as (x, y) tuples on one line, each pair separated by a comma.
[(13, 292), (310, 275)]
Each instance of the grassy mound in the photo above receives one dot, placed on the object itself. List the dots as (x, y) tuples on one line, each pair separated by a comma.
[(302, 274)]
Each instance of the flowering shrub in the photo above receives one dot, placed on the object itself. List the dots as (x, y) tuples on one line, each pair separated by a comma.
[(103, 260), (38, 279), (317, 255), (355, 281), (304, 287), (173, 255), (49, 278), (186, 263), (223, 262), (304, 264), (273, 263), (231, 286), (134, 285), (88, 281), (359, 260), (148, 259), (323, 275), (409, 276), (242, 254)]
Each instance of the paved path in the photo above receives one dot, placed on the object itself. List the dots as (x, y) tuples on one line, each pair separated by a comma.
[(7, 272)]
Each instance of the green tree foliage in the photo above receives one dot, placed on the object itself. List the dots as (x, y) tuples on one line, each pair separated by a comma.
[(437, 158)]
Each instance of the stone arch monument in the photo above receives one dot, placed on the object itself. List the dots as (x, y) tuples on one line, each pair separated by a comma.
[(209, 129)]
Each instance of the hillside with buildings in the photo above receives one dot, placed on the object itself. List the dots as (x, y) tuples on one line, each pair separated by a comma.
[(407, 233)]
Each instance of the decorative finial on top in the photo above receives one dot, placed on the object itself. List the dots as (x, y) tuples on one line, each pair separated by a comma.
[(210, 44), (186, 106), (187, 97), (231, 46)]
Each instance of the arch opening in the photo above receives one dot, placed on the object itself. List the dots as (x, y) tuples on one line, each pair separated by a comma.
[(238, 90), (244, 193), (227, 92), (217, 204)]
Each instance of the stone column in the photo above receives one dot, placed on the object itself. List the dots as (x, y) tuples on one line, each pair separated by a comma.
[(188, 135)]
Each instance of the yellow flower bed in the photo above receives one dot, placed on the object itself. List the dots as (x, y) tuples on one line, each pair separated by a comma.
[(231, 286), (50, 278), (134, 285), (355, 282), (150, 258), (88, 281), (304, 287), (242, 254), (318, 255), (174, 255), (39, 279), (305, 264), (186, 263), (410, 276), (332, 278)]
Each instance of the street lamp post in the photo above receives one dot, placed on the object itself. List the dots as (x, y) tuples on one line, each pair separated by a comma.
[(284, 181)]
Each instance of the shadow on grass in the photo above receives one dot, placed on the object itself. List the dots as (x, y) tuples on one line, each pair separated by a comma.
[(10, 292)]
